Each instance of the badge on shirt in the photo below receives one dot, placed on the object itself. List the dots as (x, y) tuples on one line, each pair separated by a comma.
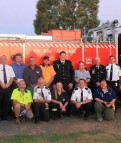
[(93, 71), (58, 66), (63, 99), (89, 91), (102, 94), (102, 72), (116, 84), (37, 71)]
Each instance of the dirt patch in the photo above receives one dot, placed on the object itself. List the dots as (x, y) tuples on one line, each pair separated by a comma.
[(62, 126)]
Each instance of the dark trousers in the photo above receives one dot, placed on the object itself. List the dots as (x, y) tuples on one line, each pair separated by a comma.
[(85, 107), (114, 85), (5, 101), (56, 111), (93, 89), (37, 107), (41, 112), (14, 86)]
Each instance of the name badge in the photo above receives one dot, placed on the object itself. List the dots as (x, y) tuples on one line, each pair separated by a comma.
[(116, 84), (93, 71)]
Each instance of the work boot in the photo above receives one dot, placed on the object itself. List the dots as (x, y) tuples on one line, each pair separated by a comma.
[(36, 120), (18, 122)]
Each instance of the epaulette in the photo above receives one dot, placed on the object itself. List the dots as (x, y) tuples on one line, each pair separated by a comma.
[(35, 90), (86, 88), (118, 65), (75, 90), (47, 88)]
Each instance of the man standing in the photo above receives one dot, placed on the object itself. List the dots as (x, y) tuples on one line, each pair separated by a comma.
[(42, 98), (31, 74), (18, 68), (113, 74), (22, 100), (64, 72), (6, 78), (81, 99), (98, 73), (48, 72)]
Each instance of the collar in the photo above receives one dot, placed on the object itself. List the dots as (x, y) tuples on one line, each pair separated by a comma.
[(31, 68), (18, 64), (81, 71), (41, 88), (112, 64), (82, 88), (44, 65), (20, 91), (62, 61), (108, 90)]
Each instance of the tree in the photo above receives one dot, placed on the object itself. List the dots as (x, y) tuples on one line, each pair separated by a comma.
[(66, 14)]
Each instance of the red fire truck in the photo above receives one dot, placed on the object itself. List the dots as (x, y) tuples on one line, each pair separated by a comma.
[(70, 41)]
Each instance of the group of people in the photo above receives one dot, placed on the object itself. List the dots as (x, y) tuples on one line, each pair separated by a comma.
[(51, 91)]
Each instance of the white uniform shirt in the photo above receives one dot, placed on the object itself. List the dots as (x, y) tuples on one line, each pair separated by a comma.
[(116, 72), (46, 92), (9, 73), (76, 95)]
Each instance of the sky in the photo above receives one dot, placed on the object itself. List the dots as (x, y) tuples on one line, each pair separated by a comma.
[(16, 16)]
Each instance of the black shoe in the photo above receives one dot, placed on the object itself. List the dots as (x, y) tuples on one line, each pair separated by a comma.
[(1, 118), (7, 118), (36, 120)]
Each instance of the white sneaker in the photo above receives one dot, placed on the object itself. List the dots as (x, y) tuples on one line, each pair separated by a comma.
[(99, 119)]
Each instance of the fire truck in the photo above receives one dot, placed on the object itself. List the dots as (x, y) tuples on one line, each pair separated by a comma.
[(102, 42)]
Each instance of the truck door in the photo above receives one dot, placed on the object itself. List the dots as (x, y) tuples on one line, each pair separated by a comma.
[(119, 49)]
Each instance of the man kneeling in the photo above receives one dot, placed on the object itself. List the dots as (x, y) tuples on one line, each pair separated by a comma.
[(42, 98), (81, 99), (105, 99), (22, 100)]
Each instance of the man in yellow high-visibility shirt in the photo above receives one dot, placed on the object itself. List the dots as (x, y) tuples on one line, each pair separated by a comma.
[(22, 100)]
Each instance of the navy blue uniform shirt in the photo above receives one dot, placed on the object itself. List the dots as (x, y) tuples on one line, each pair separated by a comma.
[(107, 97)]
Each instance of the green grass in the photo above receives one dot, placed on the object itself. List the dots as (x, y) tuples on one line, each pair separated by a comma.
[(95, 136)]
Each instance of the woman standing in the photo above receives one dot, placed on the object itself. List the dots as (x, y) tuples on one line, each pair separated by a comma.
[(82, 73)]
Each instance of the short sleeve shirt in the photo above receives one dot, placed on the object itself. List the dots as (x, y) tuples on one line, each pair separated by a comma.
[(84, 75), (23, 99), (116, 72), (63, 97), (107, 97), (47, 72), (9, 73), (18, 70), (76, 95), (38, 93)]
